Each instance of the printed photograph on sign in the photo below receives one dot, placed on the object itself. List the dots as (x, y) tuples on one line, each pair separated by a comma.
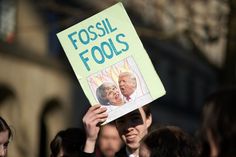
[(119, 85)]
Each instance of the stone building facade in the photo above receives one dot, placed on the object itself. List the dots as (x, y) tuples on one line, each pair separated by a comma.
[(35, 88)]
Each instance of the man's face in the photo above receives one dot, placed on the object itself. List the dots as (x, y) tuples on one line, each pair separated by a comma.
[(109, 141), (133, 127), (127, 85)]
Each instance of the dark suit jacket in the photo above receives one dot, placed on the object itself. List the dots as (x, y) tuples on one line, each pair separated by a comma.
[(122, 153), (83, 154)]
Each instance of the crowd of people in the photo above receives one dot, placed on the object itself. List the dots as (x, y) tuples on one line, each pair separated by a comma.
[(130, 135)]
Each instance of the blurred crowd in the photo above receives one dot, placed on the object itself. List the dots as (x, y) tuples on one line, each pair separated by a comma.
[(133, 135)]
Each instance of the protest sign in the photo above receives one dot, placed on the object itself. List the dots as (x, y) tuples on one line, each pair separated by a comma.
[(111, 63)]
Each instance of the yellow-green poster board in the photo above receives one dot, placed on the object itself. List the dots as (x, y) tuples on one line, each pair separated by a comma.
[(104, 50)]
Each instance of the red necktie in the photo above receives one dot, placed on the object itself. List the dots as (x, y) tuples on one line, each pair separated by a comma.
[(128, 98)]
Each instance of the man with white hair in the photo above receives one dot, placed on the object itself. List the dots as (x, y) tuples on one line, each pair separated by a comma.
[(128, 85)]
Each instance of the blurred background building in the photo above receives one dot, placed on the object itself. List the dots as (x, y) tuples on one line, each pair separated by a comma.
[(192, 45)]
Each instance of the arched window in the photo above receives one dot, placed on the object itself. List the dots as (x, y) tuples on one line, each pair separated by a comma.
[(50, 107)]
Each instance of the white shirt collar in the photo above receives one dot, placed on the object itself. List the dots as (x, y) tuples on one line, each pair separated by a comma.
[(132, 97), (129, 154)]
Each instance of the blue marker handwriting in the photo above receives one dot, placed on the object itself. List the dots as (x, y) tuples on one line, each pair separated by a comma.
[(107, 49)]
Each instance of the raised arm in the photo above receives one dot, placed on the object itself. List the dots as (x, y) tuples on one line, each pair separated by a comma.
[(91, 120)]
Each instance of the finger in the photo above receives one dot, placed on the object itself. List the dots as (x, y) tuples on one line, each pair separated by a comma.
[(98, 117), (96, 111), (98, 121), (91, 110), (94, 107), (101, 110), (92, 113), (101, 121), (93, 117), (93, 124)]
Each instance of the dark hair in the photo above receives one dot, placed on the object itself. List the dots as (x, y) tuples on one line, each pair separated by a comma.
[(5, 127), (219, 119), (147, 110), (70, 140), (112, 123), (169, 141)]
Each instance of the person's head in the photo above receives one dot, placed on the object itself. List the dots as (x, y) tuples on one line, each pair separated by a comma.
[(108, 94), (67, 143), (127, 83), (218, 124), (5, 136), (167, 141), (109, 141), (133, 126)]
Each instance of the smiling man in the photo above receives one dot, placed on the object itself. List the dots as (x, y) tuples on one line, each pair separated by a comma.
[(132, 127)]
